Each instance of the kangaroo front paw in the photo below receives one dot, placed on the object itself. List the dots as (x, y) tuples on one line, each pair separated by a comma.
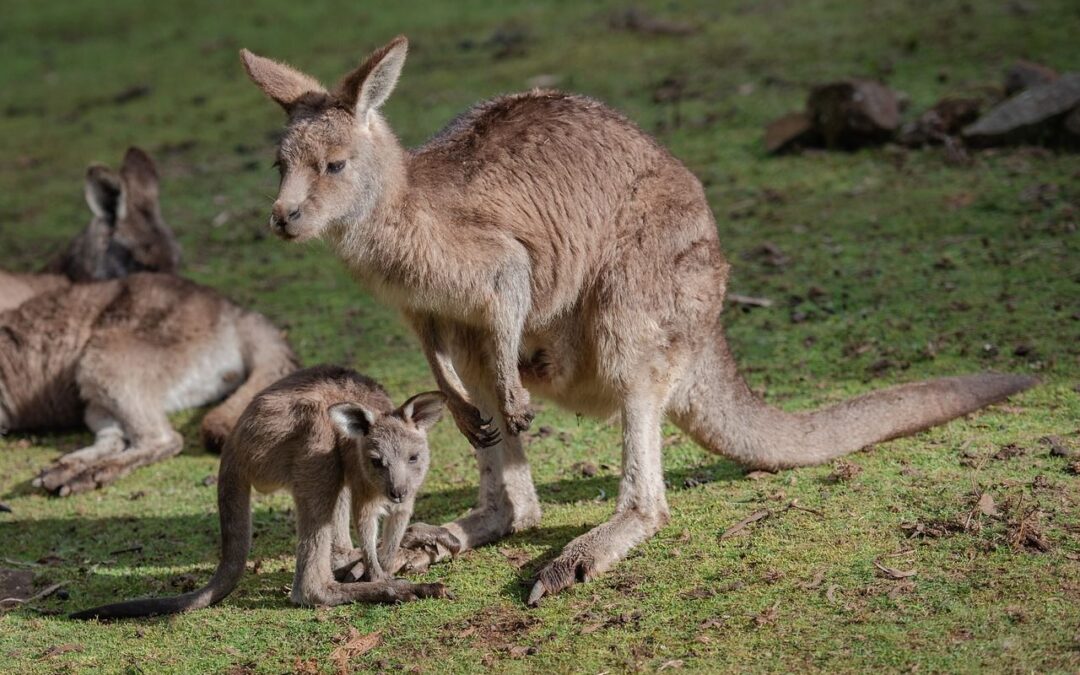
[(480, 432), (517, 413)]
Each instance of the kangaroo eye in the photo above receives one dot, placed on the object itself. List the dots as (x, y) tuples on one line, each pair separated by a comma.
[(377, 462), (413, 459), (335, 167)]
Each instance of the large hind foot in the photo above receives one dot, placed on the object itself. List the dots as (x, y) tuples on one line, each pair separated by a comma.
[(594, 552), (103, 463), (424, 545)]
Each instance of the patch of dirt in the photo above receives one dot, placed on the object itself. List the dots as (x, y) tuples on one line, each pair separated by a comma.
[(515, 556), (1025, 530), (1009, 451), (495, 630), (844, 470)]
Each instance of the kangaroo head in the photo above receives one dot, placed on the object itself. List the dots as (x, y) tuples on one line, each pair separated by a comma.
[(335, 154), (127, 232), (390, 450)]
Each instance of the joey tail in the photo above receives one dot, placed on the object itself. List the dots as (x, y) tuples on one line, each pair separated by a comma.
[(267, 359), (718, 410), (234, 508)]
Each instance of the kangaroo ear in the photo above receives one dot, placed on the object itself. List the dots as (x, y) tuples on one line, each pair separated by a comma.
[(423, 410), (367, 88), (352, 420), (285, 85), (139, 177), (102, 190)]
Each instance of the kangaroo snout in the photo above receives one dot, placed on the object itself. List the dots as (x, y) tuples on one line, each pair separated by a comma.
[(281, 215)]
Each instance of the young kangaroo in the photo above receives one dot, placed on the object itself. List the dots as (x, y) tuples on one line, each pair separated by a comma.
[(119, 355), (329, 436), (542, 239), (126, 234)]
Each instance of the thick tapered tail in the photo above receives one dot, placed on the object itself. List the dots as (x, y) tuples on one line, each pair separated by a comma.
[(234, 508), (719, 411), (267, 359)]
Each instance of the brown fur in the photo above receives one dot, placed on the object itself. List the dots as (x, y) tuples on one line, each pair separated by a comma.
[(127, 233), (332, 438), (543, 240), (119, 355)]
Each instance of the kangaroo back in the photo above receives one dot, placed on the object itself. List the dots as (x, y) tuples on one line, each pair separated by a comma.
[(234, 509), (718, 410)]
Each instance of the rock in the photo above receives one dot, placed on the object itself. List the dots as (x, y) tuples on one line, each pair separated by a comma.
[(1027, 74), (789, 132), (853, 113), (946, 118), (1035, 115)]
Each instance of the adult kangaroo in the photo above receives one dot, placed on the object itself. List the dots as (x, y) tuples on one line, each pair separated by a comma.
[(542, 241), (126, 234)]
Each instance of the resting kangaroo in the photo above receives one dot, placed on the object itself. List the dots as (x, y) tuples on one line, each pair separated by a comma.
[(119, 355), (126, 234), (326, 435), (542, 240)]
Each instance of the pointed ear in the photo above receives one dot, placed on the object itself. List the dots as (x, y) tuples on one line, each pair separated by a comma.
[(102, 190), (423, 410), (139, 177), (352, 420), (367, 88), (283, 84)]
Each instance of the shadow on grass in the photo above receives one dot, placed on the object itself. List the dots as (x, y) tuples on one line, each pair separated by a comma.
[(92, 549)]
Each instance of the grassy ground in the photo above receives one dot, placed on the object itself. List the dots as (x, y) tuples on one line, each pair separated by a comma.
[(891, 266)]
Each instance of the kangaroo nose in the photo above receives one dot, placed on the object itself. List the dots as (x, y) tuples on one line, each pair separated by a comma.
[(282, 214)]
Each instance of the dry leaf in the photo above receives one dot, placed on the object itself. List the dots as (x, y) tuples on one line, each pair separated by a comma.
[(57, 650), (815, 582), (893, 573), (741, 525), (673, 663), (767, 616), (353, 645), (759, 475), (987, 506)]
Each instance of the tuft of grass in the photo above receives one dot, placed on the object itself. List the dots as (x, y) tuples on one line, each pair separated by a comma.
[(896, 266)]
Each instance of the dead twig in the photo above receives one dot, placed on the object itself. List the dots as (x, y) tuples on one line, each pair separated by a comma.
[(43, 593), (741, 525)]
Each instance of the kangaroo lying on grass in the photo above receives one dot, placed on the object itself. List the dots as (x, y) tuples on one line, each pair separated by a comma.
[(326, 435), (543, 240), (121, 354), (126, 234)]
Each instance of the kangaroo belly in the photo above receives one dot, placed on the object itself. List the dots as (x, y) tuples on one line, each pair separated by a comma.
[(212, 371), (559, 365)]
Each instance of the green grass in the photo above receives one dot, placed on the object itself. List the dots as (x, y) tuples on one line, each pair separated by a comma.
[(903, 266)]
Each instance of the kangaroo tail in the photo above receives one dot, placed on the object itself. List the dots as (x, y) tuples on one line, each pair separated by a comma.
[(267, 358), (718, 410), (234, 508)]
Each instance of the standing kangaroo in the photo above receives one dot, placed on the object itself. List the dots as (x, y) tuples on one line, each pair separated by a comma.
[(542, 240), (119, 355), (334, 440), (126, 234)]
